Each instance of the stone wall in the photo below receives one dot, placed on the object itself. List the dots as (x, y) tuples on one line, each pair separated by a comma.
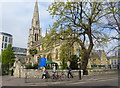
[(101, 72), (35, 73)]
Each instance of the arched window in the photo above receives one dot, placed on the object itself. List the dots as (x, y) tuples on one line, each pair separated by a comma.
[(56, 57), (36, 37), (36, 22), (49, 58)]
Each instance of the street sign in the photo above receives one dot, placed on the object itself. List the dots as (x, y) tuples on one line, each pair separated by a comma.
[(42, 62), (78, 53)]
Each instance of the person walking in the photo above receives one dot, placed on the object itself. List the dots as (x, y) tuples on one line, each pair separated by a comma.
[(44, 73), (54, 68), (12, 71), (54, 71), (69, 72)]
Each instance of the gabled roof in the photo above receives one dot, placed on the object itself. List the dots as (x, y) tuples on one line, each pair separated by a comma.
[(98, 52)]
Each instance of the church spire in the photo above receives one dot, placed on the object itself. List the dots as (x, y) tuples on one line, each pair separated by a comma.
[(46, 32), (35, 30), (35, 19)]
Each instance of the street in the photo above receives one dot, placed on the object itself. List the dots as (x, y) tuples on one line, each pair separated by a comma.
[(105, 82)]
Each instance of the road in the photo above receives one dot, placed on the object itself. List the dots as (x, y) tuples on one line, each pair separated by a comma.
[(105, 82)]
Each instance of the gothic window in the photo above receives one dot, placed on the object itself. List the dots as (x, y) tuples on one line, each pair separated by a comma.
[(49, 58), (36, 22), (56, 54), (36, 37)]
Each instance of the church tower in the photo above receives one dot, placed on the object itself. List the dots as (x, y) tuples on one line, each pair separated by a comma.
[(35, 30)]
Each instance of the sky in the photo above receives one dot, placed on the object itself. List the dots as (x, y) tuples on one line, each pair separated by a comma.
[(17, 18)]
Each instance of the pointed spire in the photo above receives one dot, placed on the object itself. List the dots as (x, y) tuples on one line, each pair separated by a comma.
[(46, 32), (35, 19)]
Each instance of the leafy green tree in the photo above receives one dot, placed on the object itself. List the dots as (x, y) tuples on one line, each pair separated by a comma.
[(33, 52), (73, 62), (1, 58), (78, 22), (65, 52), (50, 40), (7, 58)]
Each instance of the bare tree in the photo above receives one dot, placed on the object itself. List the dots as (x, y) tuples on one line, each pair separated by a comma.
[(113, 22)]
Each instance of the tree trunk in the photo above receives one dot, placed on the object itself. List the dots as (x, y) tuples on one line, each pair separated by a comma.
[(85, 61)]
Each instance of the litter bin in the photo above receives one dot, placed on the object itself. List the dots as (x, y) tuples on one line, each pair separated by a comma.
[(85, 72)]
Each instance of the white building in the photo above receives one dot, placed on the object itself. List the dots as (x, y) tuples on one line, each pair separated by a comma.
[(114, 61), (5, 39), (19, 51)]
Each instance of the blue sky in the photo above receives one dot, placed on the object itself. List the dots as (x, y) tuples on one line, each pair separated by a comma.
[(17, 17)]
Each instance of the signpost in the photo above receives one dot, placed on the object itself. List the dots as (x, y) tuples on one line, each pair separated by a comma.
[(79, 62), (42, 62), (78, 53)]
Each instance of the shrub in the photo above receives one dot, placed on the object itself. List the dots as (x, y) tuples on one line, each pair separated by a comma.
[(28, 66), (73, 62), (33, 52), (35, 66)]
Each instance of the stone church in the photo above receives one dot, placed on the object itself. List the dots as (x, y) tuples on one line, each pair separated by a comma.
[(35, 41)]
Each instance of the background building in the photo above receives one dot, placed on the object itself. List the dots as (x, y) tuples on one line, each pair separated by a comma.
[(19, 51), (98, 59), (5, 39), (114, 62)]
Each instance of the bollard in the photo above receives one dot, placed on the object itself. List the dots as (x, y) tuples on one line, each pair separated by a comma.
[(79, 74), (25, 77)]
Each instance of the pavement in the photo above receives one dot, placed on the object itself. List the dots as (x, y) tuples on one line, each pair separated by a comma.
[(12, 81)]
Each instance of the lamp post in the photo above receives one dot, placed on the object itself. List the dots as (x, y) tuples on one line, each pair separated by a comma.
[(79, 64)]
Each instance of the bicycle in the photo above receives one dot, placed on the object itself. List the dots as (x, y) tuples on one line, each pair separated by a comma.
[(54, 77), (63, 76), (58, 77)]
